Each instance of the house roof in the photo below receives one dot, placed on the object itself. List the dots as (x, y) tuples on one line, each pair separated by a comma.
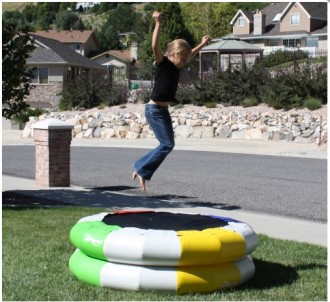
[(247, 14), (232, 44), (124, 55), (67, 36), (277, 10), (314, 10), (49, 51)]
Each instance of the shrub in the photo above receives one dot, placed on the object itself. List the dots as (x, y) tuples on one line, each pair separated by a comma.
[(210, 104), (312, 103), (91, 92), (284, 56), (289, 87), (115, 95), (283, 92), (229, 87), (189, 94), (249, 101), (314, 78), (23, 116), (84, 92)]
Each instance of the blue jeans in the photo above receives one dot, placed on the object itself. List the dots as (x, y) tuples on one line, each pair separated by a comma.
[(160, 122)]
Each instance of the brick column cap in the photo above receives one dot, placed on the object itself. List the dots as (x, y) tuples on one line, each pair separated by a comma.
[(52, 123)]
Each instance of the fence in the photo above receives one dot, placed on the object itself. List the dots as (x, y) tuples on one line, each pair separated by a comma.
[(142, 74)]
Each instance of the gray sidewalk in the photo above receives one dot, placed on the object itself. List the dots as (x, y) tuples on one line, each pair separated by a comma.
[(274, 226)]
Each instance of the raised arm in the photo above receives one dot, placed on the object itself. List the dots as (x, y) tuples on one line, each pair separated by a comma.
[(195, 50), (158, 54)]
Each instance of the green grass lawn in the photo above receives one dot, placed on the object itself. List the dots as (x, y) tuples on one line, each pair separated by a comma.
[(36, 251)]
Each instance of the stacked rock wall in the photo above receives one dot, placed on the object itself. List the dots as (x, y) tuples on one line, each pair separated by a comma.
[(197, 123)]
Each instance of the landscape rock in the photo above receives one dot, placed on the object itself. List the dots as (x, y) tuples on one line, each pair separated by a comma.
[(183, 131), (255, 123)]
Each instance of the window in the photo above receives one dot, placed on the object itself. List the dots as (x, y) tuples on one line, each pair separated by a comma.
[(295, 19), (272, 42), (241, 22), (39, 75), (292, 42), (76, 46), (312, 42)]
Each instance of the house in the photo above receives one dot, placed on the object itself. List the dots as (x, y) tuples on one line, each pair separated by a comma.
[(117, 63), (117, 58), (83, 42), (85, 5), (54, 65), (284, 25)]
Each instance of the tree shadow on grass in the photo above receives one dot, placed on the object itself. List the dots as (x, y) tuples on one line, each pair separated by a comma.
[(99, 197)]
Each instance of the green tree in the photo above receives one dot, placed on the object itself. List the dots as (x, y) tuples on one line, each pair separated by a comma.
[(30, 13), (17, 20), (208, 18), (108, 38), (16, 48), (67, 20), (46, 15), (121, 19), (172, 27), (103, 7), (251, 6), (11, 17)]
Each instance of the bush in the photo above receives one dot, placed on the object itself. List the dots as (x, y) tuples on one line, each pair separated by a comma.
[(312, 103), (249, 102), (283, 92), (210, 104), (228, 87), (115, 95), (284, 56), (189, 94), (289, 87), (315, 80), (85, 93), (23, 116)]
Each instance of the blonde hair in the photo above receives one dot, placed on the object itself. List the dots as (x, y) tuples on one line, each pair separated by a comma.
[(178, 46)]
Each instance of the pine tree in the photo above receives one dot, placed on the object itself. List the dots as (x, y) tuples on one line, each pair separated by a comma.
[(172, 27)]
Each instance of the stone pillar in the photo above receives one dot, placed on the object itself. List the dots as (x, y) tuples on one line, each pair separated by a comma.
[(52, 140)]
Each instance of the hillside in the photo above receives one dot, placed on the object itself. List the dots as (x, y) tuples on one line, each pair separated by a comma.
[(94, 21), (11, 6)]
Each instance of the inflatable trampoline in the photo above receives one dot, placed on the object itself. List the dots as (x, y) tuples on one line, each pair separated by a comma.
[(178, 252), (163, 238), (177, 279)]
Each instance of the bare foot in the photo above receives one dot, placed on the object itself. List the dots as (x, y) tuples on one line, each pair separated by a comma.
[(142, 180)]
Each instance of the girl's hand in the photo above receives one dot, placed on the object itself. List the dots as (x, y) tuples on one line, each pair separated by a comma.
[(206, 40), (156, 16)]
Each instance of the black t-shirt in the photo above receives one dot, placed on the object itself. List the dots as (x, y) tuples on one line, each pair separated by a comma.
[(166, 81)]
